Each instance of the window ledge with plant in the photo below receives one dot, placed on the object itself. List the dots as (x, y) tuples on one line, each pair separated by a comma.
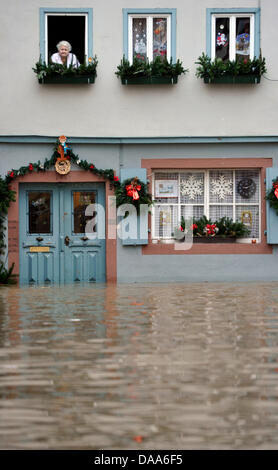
[(219, 71), (204, 230), (61, 74), (157, 72)]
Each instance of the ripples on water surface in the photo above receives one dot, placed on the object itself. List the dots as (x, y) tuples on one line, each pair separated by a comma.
[(139, 367)]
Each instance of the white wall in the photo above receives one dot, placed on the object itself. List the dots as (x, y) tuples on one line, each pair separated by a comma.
[(107, 108)]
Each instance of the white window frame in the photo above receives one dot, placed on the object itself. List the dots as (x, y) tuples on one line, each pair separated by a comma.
[(206, 204), (149, 18), (86, 37), (232, 29)]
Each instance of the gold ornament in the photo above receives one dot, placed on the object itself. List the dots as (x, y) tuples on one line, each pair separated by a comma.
[(62, 164)]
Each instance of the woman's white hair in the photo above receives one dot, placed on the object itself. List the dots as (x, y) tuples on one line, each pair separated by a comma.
[(65, 44)]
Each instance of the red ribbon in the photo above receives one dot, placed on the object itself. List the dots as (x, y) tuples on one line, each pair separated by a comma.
[(211, 229), (275, 186), (132, 189)]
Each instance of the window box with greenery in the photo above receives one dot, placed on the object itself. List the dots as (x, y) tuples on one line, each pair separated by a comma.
[(159, 71), (204, 230), (61, 74), (219, 71)]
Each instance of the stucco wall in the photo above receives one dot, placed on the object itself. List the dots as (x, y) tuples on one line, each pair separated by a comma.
[(132, 266), (108, 108)]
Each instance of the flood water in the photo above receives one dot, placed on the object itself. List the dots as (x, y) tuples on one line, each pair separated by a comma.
[(179, 366)]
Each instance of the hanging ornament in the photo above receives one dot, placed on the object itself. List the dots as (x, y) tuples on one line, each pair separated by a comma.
[(133, 188), (62, 164), (222, 187), (192, 187)]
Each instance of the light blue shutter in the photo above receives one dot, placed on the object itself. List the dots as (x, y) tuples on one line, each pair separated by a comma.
[(271, 216), (142, 221)]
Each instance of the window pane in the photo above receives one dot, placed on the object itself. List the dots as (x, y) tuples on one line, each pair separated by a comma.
[(221, 186), (166, 220), (192, 188), (160, 37), (242, 38), (84, 213), (217, 212), (249, 215), (222, 31), (197, 213), (139, 35), (39, 212), (166, 188), (247, 186)]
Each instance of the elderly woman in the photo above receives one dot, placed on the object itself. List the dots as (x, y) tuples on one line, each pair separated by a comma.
[(64, 56)]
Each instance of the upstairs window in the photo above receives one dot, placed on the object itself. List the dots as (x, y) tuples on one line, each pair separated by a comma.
[(233, 37), (234, 34), (71, 25), (149, 34)]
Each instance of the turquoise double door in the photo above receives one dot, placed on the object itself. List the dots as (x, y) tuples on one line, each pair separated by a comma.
[(62, 233)]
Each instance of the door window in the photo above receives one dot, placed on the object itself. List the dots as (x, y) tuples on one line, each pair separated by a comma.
[(39, 212), (84, 213)]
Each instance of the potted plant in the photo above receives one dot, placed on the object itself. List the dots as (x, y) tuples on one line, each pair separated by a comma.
[(204, 230), (140, 72), (61, 74), (218, 71)]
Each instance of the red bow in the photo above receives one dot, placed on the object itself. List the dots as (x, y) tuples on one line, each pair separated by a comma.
[(133, 188), (275, 186)]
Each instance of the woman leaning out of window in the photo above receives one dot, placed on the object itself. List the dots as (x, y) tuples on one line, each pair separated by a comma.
[(64, 56)]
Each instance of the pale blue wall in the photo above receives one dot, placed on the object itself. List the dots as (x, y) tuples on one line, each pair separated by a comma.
[(132, 265)]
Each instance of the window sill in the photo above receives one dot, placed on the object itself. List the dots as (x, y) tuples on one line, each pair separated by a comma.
[(169, 247), (79, 79), (234, 79), (166, 80)]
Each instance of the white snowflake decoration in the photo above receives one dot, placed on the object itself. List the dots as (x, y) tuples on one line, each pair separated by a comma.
[(222, 187), (192, 187)]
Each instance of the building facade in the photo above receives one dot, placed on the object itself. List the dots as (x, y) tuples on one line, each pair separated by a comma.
[(203, 148)]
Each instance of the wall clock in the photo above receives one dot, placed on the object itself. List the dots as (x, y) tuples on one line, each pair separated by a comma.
[(246, 188)]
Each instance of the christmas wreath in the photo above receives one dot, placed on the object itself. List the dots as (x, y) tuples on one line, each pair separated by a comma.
[(133, 191), (272, 195)]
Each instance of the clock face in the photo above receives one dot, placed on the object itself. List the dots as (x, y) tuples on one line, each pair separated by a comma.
[(246, 188)]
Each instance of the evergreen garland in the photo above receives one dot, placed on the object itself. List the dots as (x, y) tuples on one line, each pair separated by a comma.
[(123, 198), (42, 70), (48, 163), (208, 68), (159, 67), (271, 196), (6, 197)]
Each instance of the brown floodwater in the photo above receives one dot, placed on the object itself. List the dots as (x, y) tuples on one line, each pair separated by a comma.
[(155, 366)]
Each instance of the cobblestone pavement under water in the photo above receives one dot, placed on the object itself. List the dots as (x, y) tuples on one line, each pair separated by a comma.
[(178, 366)]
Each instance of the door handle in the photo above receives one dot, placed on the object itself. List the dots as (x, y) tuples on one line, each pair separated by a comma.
[(84, 239), (39, 239), (67, 240)]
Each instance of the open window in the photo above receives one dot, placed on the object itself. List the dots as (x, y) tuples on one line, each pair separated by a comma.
[(72, 25)]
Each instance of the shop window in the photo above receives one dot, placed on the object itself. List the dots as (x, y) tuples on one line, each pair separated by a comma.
[(149, 34), (233, 35), (214, 193), (71, 25)]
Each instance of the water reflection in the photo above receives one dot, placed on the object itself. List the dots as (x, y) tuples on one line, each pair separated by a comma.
[(139, 367)]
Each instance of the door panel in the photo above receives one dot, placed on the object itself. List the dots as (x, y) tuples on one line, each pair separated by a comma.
[(84, 226), (62, 233)]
